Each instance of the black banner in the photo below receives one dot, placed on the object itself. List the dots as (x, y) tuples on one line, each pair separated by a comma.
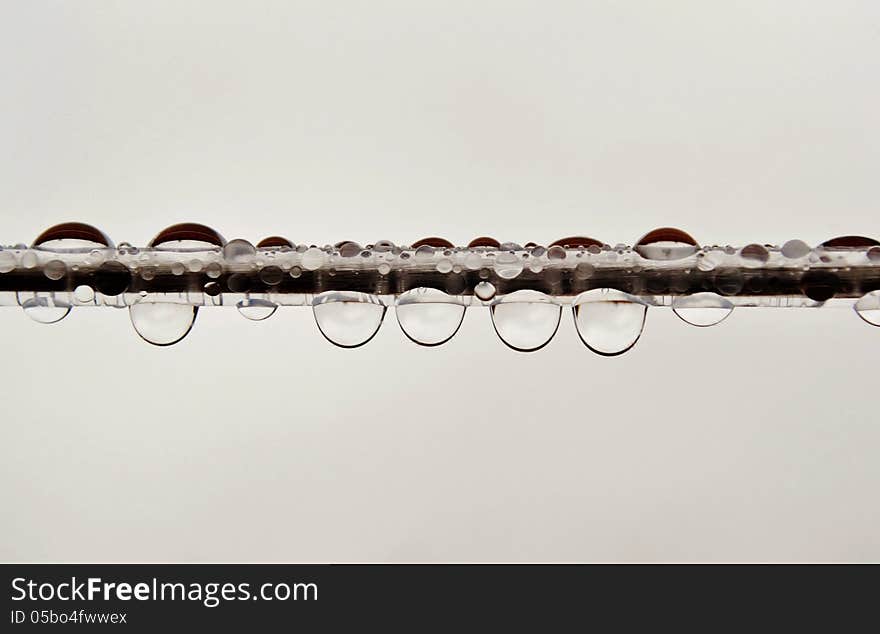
[(414, 597)]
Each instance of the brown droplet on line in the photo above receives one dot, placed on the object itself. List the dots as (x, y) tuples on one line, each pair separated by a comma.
[(484, 241), (73, 231), (188, 231), (274, 241), (433, 242), (666, 234), (576, 241), (849, 242)]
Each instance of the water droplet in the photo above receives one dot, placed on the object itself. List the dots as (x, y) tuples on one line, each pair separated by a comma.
[(484, 291), (868, 308), (348, 319), (112, 278), (510, 246), (84, 294), (271, 275), (44, 309), (820, 286), (383, 246), (238, 283), (313, 259), (873, 254), (194, 266), (702, 309), (188, 236), (556, 253), (484, 241), (256, 309), (473, 261), (214, 270), (148, 273), (384, 268), (508, 265), (795, 249), (55, 270), (444, 266), (295, 272), (349, 249), (526, 320), (29, 260), (666, 243), (429, 316), (239, 250), (212, 289), (584, 270), (72, 236), (177, 268), (608, 321), (8, 261), (754, 254), (440, 243), (424, 252), (729, 281), (162, 323)]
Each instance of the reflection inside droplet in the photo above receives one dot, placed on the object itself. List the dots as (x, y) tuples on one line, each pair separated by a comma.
[(608, 321), (256, 309), (44, 309), (702, 309), (868, 308), (346, 318), (162, 323), (526, 320), (429, 316)]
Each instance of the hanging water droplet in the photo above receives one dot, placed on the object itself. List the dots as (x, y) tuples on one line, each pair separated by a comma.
[(348, 319), (508, 265), (8, 261), (44, 309), (256, 309), (84, 294), (868, 308), (162, 323), (239, 250), (484, 291), (429, 316), (702, 309), (608, 321), (525, 320)]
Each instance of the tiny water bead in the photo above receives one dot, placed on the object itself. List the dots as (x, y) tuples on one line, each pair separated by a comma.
[(525, 320), (702, 309), (666, 243), (55, 270), (84, 294), (484, 291), (162, 323), (44, 309), (238, 250), (428, 316), (608, 321), (29, 259), (348, 319), (868, 308), (256, 309), (8, 261)]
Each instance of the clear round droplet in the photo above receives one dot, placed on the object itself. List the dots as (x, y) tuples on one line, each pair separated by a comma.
[(313, 259), (608, 321), (754, 254), (484, 291), (584, 271), (666, 250), (29, 259), (162, 323), (873, 254), (348, 319), (525, 320), (44, 309), (384, 268), (429, 316), (271, 275), (702, 309), (84, 294), (239, 250), (214, 270), (556, 252), (177, 268), (444, 266), (868, 308), (194, 266), (8, 261), (256, 309), (295, 272), (55, 270), (508, 265), (795, 249), (473, 261)]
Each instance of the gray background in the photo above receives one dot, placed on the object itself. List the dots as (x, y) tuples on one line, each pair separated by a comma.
[(738, 121)]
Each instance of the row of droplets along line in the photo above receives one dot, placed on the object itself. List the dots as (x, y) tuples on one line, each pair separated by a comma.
[(608, 321)]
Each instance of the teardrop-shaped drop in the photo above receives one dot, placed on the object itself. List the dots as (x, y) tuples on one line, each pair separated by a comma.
[(868, 308), (162, 323), (428, 316), (666, 243), (348, 319), (43, 309), (72, 236), (525, 320), (702, 309), (608, 321), (256, 309)]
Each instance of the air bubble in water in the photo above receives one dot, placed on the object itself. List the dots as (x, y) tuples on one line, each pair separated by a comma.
[(702, 309), (429, 316), (44, 309), (239, 251), (526, 320), (484, 291), (346, 318), (256, 309), (162, 323), (868, 308), (608, 321), (508, 265)]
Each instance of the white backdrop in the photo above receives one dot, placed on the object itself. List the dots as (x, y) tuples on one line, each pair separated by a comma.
[(738, 121)]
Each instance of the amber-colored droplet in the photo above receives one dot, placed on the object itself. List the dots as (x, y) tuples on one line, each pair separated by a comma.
[(574, 242), (484, 241), (849, 242), (666, 234), (188, 231), (74, 231), (274, 241), (441, 243)]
